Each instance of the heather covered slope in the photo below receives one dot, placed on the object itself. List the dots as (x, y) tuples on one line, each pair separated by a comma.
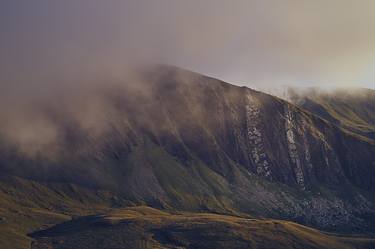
[(177, 140)]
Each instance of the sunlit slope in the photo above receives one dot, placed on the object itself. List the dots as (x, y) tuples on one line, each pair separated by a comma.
[(143, 227)]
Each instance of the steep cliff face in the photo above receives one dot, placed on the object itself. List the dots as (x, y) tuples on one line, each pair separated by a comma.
[(179, 140)]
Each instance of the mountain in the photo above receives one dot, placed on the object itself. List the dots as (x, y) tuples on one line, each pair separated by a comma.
[(175, 140), (351, 109)]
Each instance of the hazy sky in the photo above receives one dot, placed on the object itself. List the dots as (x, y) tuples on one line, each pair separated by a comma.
[(265, 42)]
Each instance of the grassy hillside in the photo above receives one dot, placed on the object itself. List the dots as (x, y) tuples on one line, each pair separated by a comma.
[(28, 206), (144, 227)]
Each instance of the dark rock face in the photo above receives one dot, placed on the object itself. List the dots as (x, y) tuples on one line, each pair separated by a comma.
[(185, 141)]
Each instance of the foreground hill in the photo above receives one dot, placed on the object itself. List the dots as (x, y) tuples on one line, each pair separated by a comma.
[(143, 227), (179, 141)]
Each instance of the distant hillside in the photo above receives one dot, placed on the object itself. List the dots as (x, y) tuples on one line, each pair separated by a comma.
[(351, 109)]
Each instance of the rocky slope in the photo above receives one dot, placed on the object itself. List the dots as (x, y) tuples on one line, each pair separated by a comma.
[(177, 140)]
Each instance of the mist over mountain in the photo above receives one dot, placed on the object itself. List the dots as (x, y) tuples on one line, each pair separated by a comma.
[(247, 42)]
